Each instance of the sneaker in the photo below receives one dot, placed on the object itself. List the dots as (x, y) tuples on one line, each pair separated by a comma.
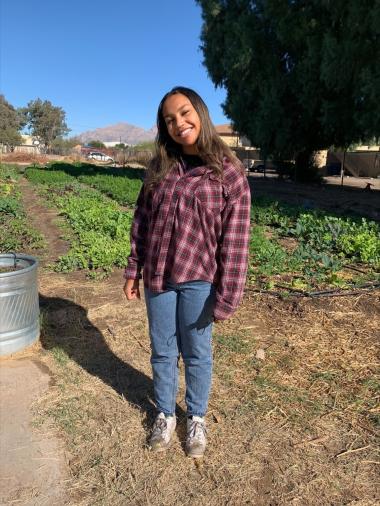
[(163, 429), (196, 437)]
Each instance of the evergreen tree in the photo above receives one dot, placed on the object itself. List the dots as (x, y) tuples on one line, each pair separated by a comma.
[(300, 76)]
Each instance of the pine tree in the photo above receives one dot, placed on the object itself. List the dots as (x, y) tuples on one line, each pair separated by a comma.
[(300, 76)]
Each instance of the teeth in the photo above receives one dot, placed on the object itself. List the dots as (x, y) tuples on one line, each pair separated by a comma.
[(185, 132)]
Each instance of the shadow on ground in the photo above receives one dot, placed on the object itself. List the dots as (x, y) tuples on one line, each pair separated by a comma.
[(346, 201), (65, 325)]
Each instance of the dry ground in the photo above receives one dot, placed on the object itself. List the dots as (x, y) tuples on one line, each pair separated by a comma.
[(329, 196), (293, 415), (296, 426), (32, 462)]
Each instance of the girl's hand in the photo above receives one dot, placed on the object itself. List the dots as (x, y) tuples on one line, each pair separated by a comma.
[(132, 289)]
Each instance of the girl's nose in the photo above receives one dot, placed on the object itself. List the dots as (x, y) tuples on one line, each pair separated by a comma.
[(179, 121)]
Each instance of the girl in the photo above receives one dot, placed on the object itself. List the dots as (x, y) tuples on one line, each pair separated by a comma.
[(190, 236)]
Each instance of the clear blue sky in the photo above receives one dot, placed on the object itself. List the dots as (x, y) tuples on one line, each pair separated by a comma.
[(102, 61)]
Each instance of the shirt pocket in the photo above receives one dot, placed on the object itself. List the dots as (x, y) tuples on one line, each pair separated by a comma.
[(211, 194)]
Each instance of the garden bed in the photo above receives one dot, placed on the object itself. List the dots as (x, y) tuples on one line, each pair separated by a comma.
[(293, 415)]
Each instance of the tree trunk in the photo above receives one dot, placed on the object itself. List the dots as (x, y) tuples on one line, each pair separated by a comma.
[(303, 161)]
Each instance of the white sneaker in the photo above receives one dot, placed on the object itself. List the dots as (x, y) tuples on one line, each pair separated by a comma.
[(162, 432), (196, 437)]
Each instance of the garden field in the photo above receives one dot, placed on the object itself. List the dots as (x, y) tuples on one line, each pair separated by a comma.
[(294, 413)]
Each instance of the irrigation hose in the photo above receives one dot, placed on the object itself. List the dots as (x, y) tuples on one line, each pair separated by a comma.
[(323, 293)]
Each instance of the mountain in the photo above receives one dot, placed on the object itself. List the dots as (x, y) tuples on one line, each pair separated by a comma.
[(122, 132)]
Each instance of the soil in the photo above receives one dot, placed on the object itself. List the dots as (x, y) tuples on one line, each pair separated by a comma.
[(32, 465), (46, 220), (350, 199), (10, 269), (97, 397)]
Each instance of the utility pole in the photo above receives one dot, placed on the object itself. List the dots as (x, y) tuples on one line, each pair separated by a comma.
[(342, 167)]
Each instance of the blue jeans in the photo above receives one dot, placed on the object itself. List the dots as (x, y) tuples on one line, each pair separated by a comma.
[(180, 323)]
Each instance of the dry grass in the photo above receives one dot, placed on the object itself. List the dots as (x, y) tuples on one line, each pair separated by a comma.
[(19, 157), (293, 413)]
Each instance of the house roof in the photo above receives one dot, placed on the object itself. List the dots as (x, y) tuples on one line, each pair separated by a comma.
[(225, 129)]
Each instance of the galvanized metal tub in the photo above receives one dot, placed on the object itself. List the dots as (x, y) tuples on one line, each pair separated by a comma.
[(19, 309)]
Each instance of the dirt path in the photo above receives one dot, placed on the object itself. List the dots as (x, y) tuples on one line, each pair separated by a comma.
[(32, 465), (45, 219)]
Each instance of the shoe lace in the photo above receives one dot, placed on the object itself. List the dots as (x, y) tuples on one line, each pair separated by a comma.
[(160, 426), (197, 430)]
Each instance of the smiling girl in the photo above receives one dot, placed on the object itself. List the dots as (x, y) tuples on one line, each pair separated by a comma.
[(190, 237)]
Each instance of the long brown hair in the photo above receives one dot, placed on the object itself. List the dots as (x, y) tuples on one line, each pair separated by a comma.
[(211, 148)]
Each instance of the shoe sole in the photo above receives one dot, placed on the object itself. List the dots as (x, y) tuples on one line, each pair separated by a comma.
[(195, 456), (159, 448), (162, 448)]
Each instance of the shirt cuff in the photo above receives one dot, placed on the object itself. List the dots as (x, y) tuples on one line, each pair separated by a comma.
[(223, 311), (132, 272)]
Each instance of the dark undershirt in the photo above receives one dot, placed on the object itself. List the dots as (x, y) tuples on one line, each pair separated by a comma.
[(191, 161)]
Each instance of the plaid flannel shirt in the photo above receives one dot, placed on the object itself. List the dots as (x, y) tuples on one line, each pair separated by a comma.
[(194, 227)]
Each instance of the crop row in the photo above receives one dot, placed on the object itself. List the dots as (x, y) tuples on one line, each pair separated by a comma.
[(100, 238), (312, 246), (303, 247), (16, 233), (121, 184)]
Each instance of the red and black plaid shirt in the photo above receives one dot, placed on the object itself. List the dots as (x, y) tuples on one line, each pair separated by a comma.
[(194, 227)]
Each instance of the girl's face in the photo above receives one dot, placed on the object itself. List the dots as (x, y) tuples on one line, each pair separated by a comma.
[(182, 122)]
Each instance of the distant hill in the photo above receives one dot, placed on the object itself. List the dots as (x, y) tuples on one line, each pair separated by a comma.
[(122, 132)]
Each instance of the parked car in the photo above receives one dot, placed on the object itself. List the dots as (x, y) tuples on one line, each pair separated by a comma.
[(101, 157)]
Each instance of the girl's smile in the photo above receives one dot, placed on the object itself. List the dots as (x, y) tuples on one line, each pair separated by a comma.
[(182, 122)]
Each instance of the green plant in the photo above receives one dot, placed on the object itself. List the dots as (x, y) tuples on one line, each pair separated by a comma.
[(232, 343), (16, 233), (344, 237), (101, 230), (9, 206), (48, 177)]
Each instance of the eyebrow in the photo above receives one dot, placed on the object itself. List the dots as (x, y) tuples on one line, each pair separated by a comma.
[(182, 107)]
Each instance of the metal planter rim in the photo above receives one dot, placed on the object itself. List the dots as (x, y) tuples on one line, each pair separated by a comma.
[(18, 256)]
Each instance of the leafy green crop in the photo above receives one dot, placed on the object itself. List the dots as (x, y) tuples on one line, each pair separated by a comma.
[(301, 246), (344, 237), (271, 213), (16, 232), (101, 230), (125, 191), (123, 185), (48, 177), (18, 235), (9, 206), (9, 171), (268, 257), (321, 245)]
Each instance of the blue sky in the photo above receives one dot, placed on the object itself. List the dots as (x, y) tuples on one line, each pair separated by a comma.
[(102, 61)]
